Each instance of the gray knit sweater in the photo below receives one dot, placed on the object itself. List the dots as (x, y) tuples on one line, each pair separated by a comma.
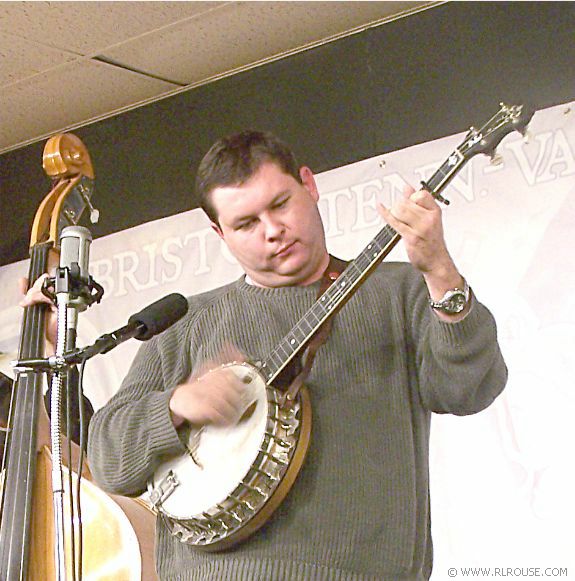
[(359, 509)]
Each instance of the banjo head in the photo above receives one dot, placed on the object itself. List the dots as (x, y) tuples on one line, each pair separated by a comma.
[(232, 478), (218, 457)]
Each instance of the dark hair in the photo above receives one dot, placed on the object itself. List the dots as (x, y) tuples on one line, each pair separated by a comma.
[(234, 159)]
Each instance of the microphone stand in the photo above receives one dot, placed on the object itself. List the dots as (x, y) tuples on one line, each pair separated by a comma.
[(72, 293), (63, 300)]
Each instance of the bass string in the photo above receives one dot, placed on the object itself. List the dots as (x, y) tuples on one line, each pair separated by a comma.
[(20, 441)]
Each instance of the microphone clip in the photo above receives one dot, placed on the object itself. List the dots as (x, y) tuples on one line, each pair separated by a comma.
[(68, 280)]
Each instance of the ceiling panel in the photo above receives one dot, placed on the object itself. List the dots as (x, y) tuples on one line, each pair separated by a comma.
[(237, 34), (63, 64), (21, 58), (71, 94), (89, 27)]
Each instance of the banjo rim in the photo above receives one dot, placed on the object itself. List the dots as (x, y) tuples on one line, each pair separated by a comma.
[(182, 527), (260, 517)]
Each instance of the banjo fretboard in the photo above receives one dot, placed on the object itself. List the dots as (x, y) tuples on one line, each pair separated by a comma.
[(484, 140)]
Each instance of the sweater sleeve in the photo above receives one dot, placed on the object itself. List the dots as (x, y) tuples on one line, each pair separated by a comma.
[(128, 436), (460, 366)]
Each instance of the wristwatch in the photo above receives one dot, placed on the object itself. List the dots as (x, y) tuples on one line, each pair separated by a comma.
[(453, 301)]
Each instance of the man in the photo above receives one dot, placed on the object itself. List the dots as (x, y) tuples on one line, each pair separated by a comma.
[(359, 509)]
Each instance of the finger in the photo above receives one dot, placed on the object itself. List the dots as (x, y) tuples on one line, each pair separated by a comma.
[(224, 406), (397, 223), (388, 216), (35, 294), (385, 213), (231, 353), (228, 392), (424, 199), (220, 389), (204, 368), (408, 189), (222, 414), (228, 389), (39, 281), (23, 285), (203, 403)]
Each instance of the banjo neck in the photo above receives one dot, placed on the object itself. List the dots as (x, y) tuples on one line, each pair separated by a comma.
[(483, 140)]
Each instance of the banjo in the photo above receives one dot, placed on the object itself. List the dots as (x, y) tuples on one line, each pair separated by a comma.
[(231, 479)]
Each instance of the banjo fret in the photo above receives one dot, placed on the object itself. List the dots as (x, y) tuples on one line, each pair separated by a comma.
[(332, 299)]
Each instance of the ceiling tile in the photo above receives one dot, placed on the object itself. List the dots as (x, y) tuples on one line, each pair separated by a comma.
[(39, 106), (88, 27), (20, 59), (48, 82), (237, 34)]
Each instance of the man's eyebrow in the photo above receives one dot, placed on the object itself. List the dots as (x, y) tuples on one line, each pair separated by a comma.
[(274, 200), (242, 219), (279, 195)]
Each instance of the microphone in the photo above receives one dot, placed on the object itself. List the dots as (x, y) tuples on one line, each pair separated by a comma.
[(158, 316), (150, 321), (70, 282), (75, 250)]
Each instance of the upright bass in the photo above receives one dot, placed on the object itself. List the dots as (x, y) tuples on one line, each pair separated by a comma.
[(119, 536)]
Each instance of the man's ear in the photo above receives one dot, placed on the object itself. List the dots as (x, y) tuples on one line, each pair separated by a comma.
[(217, 229), (308, 180)]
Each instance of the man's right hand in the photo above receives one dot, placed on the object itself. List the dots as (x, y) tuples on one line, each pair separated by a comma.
[(35, 296), (212, 398)]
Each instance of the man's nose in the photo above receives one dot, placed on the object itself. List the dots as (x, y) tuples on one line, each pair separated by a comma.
[(274, 228)]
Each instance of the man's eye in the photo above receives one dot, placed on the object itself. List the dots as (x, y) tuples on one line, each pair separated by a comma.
[(245, 225), (281, 203)]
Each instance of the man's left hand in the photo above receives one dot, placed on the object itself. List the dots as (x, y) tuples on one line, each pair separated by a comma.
[(416, 216)]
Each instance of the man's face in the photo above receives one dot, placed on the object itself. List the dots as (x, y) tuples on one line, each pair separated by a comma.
[(271, 224)]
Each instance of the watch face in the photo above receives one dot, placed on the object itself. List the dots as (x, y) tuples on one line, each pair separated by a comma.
[(456, 303), (453, 302)]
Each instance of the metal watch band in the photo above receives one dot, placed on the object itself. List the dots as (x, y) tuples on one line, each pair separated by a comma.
[(453, 301)]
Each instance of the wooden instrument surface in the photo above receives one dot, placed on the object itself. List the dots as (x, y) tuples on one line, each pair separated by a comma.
[(118, 536)]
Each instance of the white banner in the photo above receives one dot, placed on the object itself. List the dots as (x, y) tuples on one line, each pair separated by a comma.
[(502, 480)]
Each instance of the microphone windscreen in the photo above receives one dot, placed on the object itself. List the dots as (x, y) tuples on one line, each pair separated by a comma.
[(160, 315), (75, 248)]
